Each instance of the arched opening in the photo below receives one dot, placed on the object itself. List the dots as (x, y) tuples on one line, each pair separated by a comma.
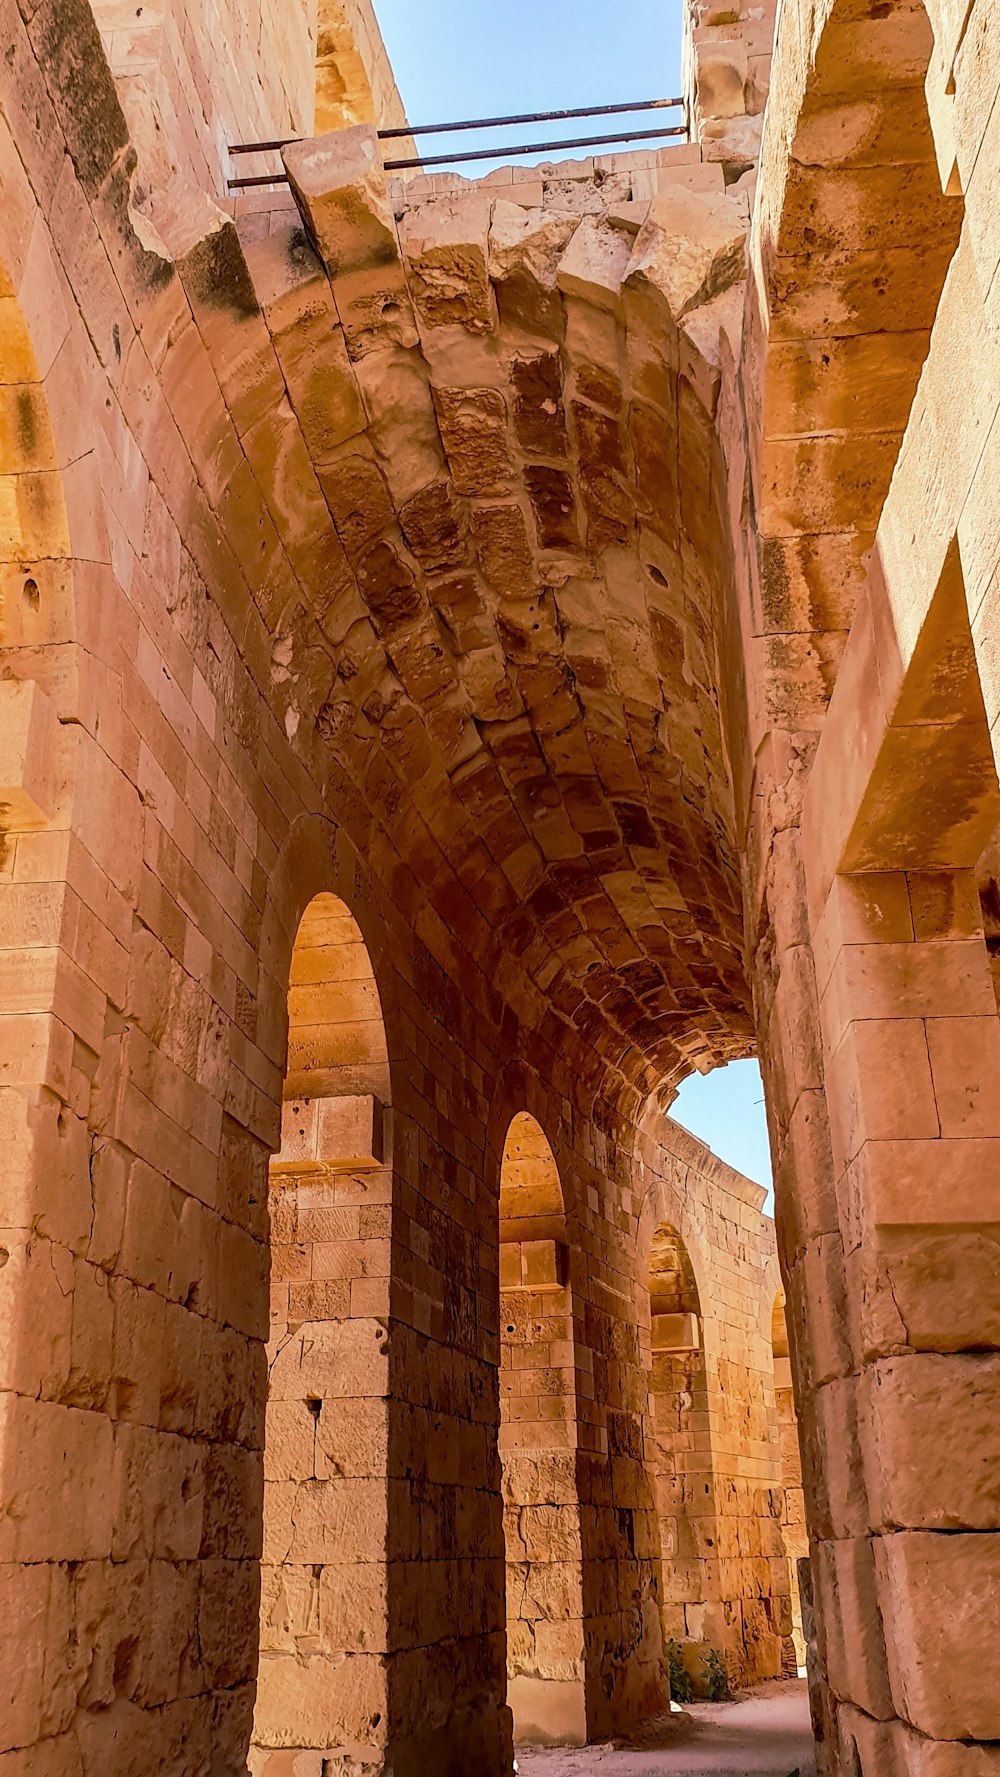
[(683, 1471), (793, 1518), (538, 1447), (323, 1623)]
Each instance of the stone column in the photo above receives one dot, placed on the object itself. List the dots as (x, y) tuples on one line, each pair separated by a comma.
[(538, 1447), (322, 1686)]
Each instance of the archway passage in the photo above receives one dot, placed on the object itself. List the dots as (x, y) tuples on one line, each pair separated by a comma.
[(538, 1447), (793, 1521), (323, 1680)]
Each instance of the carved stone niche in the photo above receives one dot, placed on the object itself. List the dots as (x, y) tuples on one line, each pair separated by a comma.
[(675, 1332), (335, 1134), (536, 1265)]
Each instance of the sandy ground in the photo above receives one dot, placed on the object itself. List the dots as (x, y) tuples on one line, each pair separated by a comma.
[(766, 1734)]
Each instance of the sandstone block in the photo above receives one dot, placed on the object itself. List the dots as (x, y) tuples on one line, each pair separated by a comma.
[(940, 1598), (691, 248), (848, 1600), (675, 1332), (930, 1430), (594, 264), (339, 185), (541, 1265), (722, 74), (28, 754), (340, 1133), (446, 247)]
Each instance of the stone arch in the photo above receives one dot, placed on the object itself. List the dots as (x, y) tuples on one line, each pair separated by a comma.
[(316, 859), (716, 1596), (542, 554), (662, 1205), (324, 1637)]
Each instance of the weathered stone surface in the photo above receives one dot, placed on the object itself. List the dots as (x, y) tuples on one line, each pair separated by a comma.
[(472, 646), (691, 247), (447, 246)]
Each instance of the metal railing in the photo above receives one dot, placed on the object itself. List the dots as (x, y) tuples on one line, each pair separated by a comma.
[(408, 131)]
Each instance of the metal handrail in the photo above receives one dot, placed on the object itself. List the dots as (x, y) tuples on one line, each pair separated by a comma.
[(477, 123), (478, 154)]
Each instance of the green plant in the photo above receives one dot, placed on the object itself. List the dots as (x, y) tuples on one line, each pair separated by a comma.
[(680, 1678), (716, 1677)]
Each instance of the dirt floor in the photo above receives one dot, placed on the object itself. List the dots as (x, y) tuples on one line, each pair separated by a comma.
[(765, 1734)]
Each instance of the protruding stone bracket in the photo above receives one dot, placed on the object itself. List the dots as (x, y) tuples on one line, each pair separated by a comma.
[(27, 755), (535, 1265), (339, 186), (675, 1333), (337, 1134)]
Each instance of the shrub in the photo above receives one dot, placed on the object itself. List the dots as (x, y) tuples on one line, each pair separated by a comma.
[(680, 1678), (716, 1677)]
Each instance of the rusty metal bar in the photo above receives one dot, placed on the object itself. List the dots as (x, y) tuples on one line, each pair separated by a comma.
[(499, 153), (447, 160), (405, 131)]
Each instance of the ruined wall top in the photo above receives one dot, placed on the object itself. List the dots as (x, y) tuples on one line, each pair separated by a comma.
[(193, 79), (726, 65)]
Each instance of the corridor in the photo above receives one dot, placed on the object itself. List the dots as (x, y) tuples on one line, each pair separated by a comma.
[(765, 1735)]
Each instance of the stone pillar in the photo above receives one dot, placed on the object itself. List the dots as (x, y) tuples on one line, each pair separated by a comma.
[(322, 1684), (793, 1526), (683, 1468), (538, 1439)]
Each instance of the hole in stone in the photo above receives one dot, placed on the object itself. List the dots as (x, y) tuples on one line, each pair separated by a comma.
[(510, 1329), (315, 1406), (124, 1655), (656, 576), (4, 1257), (376, 1718), (30, 593), (390, 307)]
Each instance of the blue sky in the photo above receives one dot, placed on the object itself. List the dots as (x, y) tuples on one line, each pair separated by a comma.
[(456, 59), (726, 1109), (468, 58)]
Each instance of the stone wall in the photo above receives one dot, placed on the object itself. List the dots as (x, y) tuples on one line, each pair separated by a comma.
[(192, 80), (725, 1494), (869, 794)]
